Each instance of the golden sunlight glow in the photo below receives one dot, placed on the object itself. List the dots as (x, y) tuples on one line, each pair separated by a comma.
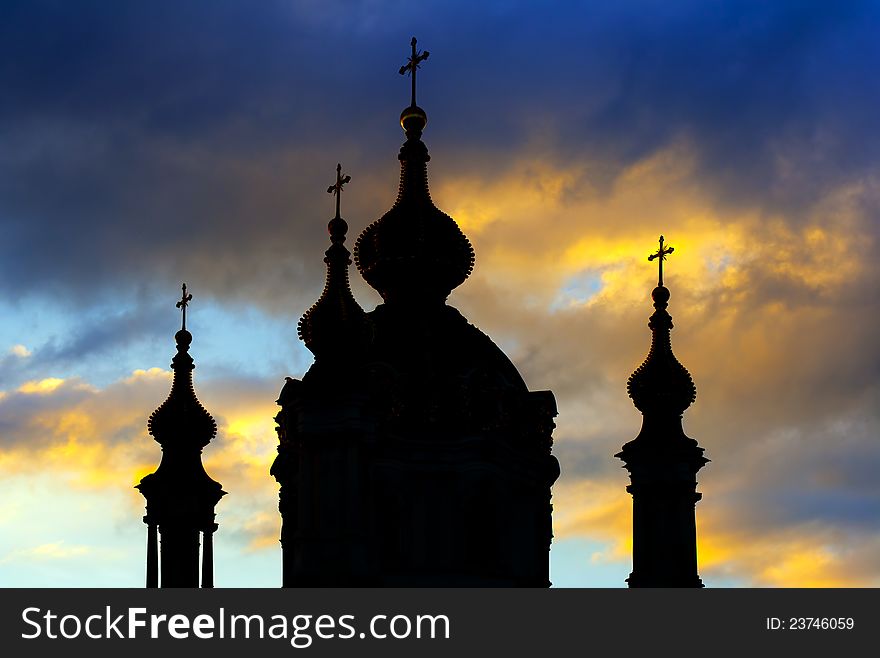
[(533, 232), (148, 375), (603, 511), (51, 551), (41, 386)]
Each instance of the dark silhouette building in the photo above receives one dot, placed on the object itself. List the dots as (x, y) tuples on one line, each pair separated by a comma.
[(180, 494), (411, 453), (662, 461)]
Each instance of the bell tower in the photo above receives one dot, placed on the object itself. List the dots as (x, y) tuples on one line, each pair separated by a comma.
[(180, 495), (662, 461)]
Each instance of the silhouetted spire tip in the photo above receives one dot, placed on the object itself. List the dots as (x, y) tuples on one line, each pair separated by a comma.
[(413, 119), (183, 338), (335, 325), (661, 384), (336, 190), (414, 252), (661, 253)]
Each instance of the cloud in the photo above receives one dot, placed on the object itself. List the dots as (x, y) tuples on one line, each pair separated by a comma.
[(141, 145), (95, 439), (54, 551), (789, 424), (20, 351), (775, 320)]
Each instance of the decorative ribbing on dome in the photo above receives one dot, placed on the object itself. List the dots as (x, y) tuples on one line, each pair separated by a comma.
[(336, 325), (182, 417), (661, 384), (415, 252)]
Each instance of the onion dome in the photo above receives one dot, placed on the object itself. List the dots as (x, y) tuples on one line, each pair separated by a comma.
[(336, 325), (415, 251), (661, 385), (182, 418)]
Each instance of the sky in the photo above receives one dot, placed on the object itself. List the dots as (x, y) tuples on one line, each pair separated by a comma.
[(147, 144)]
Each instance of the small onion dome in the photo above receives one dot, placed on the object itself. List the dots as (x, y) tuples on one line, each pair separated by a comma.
[(661, 385), (414, 252), (182, 418), (336, 325)]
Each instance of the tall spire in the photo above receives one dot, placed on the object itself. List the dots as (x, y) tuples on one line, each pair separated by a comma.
[(180, 494), (336, 327), (415, 253), (662, 460)]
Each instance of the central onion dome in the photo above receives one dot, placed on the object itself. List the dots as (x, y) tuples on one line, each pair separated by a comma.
[(415, 252)]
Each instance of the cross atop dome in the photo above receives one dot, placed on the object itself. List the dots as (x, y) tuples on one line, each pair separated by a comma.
[(336, 188), (413, 64), (661, 254), (182, 304)]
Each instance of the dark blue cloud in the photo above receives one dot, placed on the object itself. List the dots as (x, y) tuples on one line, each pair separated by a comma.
[(138, 136)]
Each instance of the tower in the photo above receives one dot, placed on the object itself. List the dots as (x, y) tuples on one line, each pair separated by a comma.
[(411, 453), (662, 461), (180, 495)]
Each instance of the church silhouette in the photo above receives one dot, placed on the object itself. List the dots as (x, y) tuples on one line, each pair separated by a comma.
[(412, 453)]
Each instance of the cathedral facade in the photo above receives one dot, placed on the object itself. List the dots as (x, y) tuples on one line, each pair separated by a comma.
[(411, 453)]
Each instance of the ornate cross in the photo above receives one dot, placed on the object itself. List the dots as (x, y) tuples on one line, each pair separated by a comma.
[(661, 254), (412, 65), (337, 188), (183, 303)]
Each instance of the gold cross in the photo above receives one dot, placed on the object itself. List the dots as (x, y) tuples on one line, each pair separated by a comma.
[(661, 254), (183, 303), (337, 188), (412, 65)]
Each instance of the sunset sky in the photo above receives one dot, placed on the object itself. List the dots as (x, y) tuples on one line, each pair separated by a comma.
[(143, 144)]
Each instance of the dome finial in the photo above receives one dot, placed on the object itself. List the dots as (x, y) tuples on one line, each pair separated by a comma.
[(412, 65), (661, 254), (413, 119), (336, 188), (182, 304)]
